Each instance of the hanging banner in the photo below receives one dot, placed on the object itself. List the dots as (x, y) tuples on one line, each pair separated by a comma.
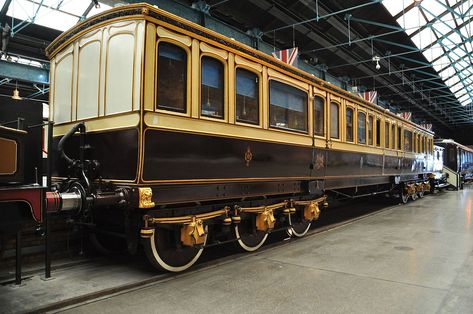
[(406, 115), (370, 96), (288, 56), (427, 126)]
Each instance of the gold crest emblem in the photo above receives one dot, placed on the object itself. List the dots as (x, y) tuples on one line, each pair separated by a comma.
[(248, 156), (319, 161)]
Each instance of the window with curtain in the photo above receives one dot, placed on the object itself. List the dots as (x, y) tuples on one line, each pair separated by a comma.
[(370, 130), (399, 142), (378, 132), (393, 136), (172, 77), (349, 124), (319, 119), (212, 88), (247, 96), (386, 134), (288, 107), (361, 128), (407, 141), (334, 120)]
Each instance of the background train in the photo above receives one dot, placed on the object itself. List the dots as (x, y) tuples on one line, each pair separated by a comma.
[(174, 137), (457, 162)]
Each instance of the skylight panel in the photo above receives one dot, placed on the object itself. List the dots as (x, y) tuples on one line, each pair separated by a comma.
[(452, 81), (456, 88), (75, 7), (411, 20), (394, 7), (433, 7), (433, 52), (441, 28), (424, 38)]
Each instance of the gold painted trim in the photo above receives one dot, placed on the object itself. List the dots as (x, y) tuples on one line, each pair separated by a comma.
[(176, 37), (110, 122), (13, 150), (206, 127)]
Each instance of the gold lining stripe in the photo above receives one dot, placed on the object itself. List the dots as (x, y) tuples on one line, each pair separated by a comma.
[(200, 126), (106, 123)]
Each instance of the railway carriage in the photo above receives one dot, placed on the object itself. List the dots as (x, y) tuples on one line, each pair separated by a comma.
[(189, 138), (457, 162)]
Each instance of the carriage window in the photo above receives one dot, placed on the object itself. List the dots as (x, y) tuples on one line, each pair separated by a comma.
[(349, 125), (407, 141), (399, 142), (288, 107), (386, 134), (393, 136), (370, 130), (361, 128), (418, 143), (319, 120), (172, 77), (212, 88), (247, 93), (334, 117), (378, 132)]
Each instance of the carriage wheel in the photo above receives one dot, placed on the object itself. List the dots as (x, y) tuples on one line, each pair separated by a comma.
[(165, 251), (414, 196), (404, 197), (298, 226), (248, 237), (421, 194)]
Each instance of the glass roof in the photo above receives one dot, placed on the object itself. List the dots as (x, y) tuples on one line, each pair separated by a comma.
[(56, 14), (442, 30)]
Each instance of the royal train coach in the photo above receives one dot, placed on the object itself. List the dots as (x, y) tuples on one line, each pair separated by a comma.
[(189, 138)]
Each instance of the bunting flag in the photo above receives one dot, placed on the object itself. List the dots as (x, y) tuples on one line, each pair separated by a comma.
[(427, 126), (288, 56), (369, 96), (406, 115)]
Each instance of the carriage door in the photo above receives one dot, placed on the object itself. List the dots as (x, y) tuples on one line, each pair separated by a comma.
[(319, 155)]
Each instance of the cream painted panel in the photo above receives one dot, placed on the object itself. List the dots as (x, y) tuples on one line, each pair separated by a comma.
[(119, 74), (63, 90), (88, 81), (139, 56)]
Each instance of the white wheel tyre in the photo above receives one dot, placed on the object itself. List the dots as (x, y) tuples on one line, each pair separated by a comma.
[(163, 255), (248, 241), (299, 229)]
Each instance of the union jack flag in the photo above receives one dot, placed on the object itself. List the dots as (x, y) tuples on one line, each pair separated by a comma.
[(288, 56), (427, 126), (406, 115), (369, 96)]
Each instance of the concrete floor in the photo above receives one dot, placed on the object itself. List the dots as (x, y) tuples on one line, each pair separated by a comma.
[(415, 258)]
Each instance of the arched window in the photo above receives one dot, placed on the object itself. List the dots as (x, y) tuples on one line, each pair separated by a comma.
[(361, 128), (386, 134), (319, 119), (247, 96), (349, 125), (370, 130), (172, 77), (393, 136), (212, 88), (334, 120), (288, 107)]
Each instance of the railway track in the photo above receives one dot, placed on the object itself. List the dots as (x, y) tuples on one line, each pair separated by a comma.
[(335, 217)]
